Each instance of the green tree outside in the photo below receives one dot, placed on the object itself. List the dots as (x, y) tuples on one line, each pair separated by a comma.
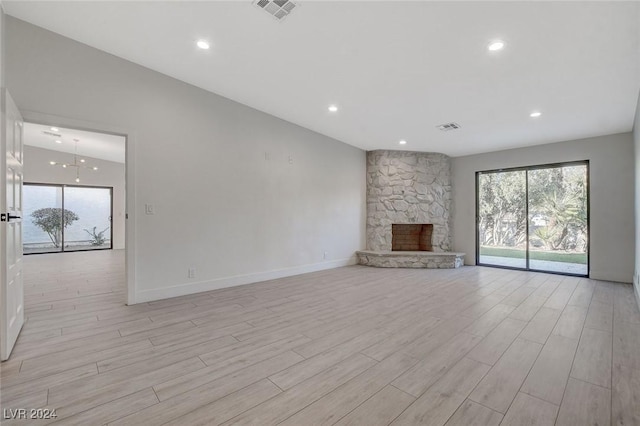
[(50, 220), (557, 209)]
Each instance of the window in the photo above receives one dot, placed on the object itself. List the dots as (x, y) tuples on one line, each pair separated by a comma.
[(534, 218), (85, 224)]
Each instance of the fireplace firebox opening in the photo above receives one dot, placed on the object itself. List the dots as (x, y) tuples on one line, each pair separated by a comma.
[(411, 237)]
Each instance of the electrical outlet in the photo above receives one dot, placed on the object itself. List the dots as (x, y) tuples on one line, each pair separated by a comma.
[(290, 159), (192, 272), (325, 255), (149, 209)]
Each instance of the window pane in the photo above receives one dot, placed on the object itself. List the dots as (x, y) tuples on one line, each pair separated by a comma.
[(558, 232), (502, 218), (42, 224), (92, 230)]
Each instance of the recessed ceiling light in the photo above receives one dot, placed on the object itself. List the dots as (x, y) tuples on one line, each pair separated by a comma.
[(82, 160), (58, 141), (55, 129), (95, 168), (535, 114), (53, 163), (203, 44), (496, 45), (402, 142), (333, 108)]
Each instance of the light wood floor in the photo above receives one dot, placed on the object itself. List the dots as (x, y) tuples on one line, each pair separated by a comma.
[(349, 346)]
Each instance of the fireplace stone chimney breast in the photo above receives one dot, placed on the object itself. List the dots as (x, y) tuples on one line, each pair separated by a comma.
[(408, 188)]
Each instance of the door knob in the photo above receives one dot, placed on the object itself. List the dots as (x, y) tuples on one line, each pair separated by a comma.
[(6, 217)]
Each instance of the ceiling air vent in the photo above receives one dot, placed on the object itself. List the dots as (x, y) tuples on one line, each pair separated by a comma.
[(448, 127), (279, 9), (52, 134)]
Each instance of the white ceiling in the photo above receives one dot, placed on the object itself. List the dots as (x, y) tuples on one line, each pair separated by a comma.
[(90, 144), (395, 69)]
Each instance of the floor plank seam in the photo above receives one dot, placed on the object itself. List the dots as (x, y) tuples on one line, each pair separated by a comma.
[(274, 383), (592, 384), (406, 408), (156, 394)]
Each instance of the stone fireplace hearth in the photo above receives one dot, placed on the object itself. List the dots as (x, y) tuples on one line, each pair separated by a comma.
[(408, 210)]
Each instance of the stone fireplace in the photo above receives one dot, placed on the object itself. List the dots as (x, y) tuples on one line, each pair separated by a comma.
[(406, 187), (409, 210), (411, 237)]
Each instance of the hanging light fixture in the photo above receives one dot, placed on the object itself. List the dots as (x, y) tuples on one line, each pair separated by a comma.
[(77, 164)]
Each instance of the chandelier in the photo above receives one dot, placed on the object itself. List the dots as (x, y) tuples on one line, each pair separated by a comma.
[(77, 164)]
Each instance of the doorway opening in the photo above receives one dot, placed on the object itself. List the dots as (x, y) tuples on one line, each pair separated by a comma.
[(534, 218), (74, 191), (75, 211)]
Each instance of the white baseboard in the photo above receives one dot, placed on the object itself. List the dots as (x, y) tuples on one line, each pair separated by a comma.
[(636, 289), (198, 287), (610, 275)]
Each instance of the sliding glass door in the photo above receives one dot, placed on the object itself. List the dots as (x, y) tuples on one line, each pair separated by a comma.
[(502, 218), (534, 218), (66, 218)]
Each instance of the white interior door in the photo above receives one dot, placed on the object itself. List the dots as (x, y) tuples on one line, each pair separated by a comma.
[(12, 300)]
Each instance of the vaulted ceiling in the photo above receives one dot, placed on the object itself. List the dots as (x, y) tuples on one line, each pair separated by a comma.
[(72, 141), (395, 70)]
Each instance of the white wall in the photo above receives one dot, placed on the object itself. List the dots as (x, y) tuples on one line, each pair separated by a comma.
[(38, 170), (636, 145), (611, 197), (2, 49), (222, 205)]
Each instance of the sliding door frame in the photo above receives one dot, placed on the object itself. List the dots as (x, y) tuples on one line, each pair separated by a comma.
[(62, 187), (527, 169)]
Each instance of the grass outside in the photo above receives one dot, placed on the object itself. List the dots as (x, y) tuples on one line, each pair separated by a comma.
[(551, 256)]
